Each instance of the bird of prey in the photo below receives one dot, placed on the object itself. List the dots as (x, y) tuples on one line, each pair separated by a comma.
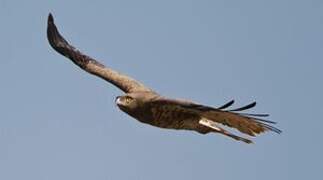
[(147, 106)]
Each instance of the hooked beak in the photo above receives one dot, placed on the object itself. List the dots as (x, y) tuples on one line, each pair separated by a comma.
[(118, 100)]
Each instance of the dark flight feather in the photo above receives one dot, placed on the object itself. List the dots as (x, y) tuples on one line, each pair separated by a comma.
[(230, 103), (249, 106)]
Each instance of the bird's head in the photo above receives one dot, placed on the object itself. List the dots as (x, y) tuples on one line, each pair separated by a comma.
[(135, 102), (126, 103)]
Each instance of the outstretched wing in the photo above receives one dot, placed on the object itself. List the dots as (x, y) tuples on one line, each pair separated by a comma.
[(213, 118), (89, 64), (250, 124)]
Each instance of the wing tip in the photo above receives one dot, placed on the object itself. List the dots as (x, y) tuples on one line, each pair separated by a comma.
[(226, 105), (248, 106), (248, 141), (52, 33), (54, 37), (50, 18), (272, 128)]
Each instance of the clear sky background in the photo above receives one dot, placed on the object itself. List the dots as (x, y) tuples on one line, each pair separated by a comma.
[(58, 122)]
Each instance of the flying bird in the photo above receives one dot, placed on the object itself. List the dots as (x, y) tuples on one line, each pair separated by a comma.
[(147, 106)]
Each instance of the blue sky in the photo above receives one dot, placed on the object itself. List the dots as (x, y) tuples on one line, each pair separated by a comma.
[(58, 122)]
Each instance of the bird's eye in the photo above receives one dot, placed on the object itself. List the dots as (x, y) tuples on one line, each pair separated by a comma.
[(128, 99)]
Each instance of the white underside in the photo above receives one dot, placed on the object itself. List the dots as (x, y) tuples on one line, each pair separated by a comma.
[(209, 123)]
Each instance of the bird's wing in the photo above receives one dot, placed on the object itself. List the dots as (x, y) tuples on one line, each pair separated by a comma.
[(250, 124), (89, 64)]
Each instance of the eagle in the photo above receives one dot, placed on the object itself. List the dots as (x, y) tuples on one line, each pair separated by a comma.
[(149, 107)]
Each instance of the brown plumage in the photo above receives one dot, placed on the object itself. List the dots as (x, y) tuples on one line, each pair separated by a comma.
[(149, 107)]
